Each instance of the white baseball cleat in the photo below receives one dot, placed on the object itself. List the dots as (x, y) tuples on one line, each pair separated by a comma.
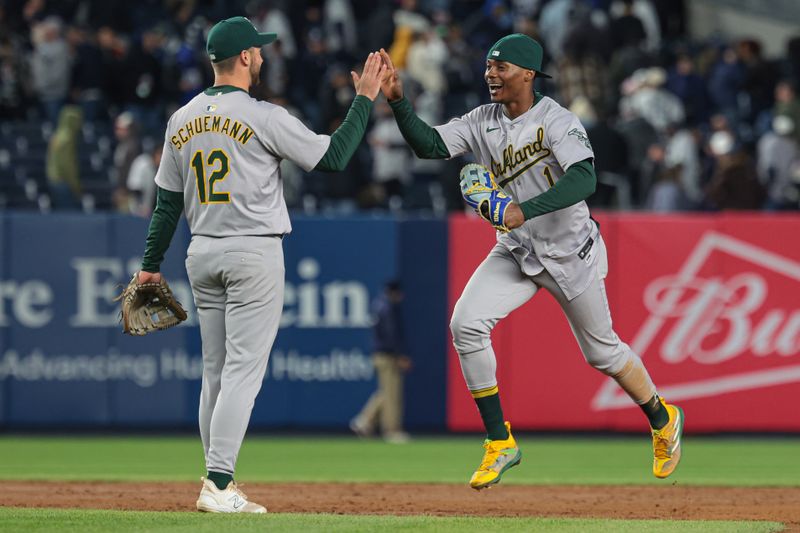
[(230, 500)]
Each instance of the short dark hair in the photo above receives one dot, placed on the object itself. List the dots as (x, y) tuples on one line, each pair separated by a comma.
[(225, 66)]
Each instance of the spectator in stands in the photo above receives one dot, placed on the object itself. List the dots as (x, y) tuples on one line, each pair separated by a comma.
[(12, 78), (129, 146), (141, 182), (648, 99), (760, 78), (778, 157), (684, 82), (63, 174), (725, 82), (787, 104), (87, 80), (666, 195), (144, 69), (266, 17), (390, 157), (627, 29), (340, 27), (734, 184), (50, 67), (646, 13), (426, 60)]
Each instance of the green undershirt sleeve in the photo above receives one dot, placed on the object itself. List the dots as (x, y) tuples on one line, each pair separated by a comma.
[(577, 183), (169, 206), (347, 136), (423, 139)]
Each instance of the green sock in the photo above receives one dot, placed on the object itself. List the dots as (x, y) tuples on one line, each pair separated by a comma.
[(656, 412), (491, 413), (220, 479)]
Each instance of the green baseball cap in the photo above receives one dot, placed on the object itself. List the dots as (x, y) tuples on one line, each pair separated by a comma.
[(519, 49), (230, 36)]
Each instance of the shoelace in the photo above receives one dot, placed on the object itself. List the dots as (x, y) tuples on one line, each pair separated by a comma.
[(490, 457), (661, 444), (239, 491)]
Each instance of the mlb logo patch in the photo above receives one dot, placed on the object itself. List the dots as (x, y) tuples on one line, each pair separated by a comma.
[(496, 53), (210, 108)]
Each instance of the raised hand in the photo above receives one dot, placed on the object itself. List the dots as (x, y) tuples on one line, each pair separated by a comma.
[(391, 86), (369, 83)]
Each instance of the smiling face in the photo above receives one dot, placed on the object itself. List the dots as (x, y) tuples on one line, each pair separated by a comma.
[(507, 82)]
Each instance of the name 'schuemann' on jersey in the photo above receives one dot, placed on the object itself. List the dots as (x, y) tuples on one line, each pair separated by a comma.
[(223, 151)]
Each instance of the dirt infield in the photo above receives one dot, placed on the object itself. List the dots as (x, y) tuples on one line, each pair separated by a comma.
[(653, 502)]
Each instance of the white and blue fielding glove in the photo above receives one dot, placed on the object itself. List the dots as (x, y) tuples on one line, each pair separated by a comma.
[(477, 183), (493, 209), (481, 193)]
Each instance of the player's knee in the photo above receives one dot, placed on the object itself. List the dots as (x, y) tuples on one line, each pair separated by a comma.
[(469, 335), (607, 361)]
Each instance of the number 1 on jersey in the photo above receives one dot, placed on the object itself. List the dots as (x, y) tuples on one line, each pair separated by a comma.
[(548, 176), (206, 194)]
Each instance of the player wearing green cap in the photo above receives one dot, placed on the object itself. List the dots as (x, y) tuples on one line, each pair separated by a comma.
[(541, 159), (221, 164)]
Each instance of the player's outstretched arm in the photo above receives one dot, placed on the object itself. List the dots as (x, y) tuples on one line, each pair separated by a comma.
[(423, 139)]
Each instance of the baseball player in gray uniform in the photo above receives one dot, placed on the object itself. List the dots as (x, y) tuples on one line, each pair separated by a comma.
[(221, 164), (542, 160)]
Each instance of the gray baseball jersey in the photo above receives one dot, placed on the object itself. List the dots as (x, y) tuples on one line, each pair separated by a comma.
[(223, 151), (528, 155)]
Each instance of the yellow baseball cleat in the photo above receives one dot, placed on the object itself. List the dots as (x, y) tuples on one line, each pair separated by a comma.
[(667, 442), (500, 455)]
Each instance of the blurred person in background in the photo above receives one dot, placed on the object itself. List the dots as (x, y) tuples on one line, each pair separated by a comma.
[(141, 182), (87, 79), (778, 154), (684, 82), (13, 78), (129, 146), (734, 184), (390, 157), (788, 104), (50, 67), (62, 169), (666, 194), (647, 98), (384, 409)]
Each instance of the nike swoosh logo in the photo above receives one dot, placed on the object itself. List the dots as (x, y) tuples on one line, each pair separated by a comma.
[(489, 130)]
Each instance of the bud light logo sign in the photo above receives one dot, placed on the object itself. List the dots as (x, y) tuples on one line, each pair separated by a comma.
[(730, 317)]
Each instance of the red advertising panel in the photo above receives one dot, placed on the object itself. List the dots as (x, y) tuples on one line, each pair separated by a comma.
[(710, 303)]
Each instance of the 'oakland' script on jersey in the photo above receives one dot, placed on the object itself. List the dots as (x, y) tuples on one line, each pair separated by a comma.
[(533, 151)]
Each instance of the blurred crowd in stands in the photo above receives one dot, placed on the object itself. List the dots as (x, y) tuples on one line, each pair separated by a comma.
[(86, 88)]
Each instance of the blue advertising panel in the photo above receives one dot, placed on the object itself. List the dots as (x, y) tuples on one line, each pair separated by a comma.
[(320, 369), (158, 391), (423, 275), (65, 362), (61, 282)]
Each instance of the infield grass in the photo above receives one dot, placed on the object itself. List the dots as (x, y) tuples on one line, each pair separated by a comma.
[(58, 520), (602, 460)]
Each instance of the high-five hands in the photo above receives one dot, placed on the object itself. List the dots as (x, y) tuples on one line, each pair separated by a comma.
[(369, 82), (391, 86)]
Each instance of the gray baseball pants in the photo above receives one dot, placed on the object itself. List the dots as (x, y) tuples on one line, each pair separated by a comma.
[(237, 283), (498, 286)]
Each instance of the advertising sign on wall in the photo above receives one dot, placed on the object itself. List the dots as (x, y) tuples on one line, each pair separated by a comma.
[(711, 304)]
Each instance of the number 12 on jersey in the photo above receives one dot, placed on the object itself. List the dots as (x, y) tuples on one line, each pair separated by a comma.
[(218, 163)]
